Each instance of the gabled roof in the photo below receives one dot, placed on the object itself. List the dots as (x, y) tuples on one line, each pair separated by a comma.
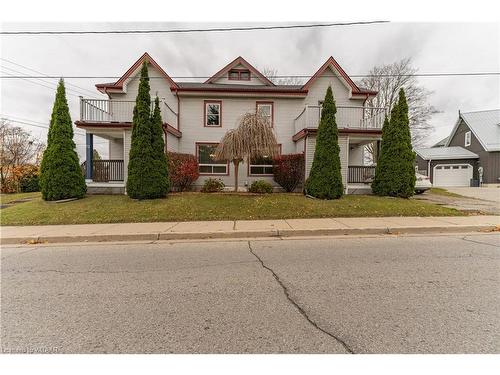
[(118, 85), (331, 63), (484, 124), (441, 143), (445, 153), (239, 61)]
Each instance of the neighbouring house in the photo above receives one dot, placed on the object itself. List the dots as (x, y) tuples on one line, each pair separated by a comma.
[(474, 143), (197, 115)]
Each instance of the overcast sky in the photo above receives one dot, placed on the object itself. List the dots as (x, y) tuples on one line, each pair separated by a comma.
[(434, 48)]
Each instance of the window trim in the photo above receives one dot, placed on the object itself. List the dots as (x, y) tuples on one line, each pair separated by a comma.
[(205, 104), (239, 71), (468, 139), (249, 168), (197, 145), (266, 102)]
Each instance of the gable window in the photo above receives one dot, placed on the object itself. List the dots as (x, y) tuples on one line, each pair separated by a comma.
[(207, 164), (467, 138), (266, 109), (239, 75), (262, 166), (213, 113)]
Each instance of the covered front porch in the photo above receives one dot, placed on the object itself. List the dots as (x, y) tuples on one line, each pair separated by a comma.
[(105, 174), (361, 162)]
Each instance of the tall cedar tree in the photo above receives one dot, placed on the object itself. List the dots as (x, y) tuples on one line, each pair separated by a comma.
[(325, 179), (61, 176), (158, 144), (395, 172), (147, 178)]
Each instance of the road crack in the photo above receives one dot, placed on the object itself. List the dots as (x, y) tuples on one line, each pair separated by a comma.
[(296, 305)]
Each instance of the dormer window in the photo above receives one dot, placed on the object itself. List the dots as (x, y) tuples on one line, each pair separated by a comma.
[(239, 75)]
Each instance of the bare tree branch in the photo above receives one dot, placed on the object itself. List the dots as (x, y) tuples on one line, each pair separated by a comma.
[(272, 75), (388, 80)]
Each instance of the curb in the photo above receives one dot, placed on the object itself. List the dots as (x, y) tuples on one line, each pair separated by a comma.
[(272, 233)]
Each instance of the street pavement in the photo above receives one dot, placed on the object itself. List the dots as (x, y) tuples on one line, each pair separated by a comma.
[(371, 294)]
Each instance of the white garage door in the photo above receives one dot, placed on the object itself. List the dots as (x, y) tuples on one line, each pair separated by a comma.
[(452, 174)]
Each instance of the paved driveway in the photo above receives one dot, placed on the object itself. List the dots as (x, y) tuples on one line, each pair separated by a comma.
[(486, 193)]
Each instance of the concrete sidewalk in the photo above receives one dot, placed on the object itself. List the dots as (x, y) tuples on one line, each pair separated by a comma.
[(244, 229)]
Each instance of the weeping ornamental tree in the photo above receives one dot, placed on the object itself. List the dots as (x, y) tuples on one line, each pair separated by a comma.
[(253, 138), (147, 166), (325, 179), (61, 176), (395, 173)]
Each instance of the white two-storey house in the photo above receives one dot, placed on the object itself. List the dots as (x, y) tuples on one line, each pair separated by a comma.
[(197, 115)]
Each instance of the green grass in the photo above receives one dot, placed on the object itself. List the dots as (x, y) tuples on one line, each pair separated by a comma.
[(8, 198), (199, 206), (444, 192)]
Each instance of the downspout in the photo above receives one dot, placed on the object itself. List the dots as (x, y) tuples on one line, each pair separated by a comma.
[(429, 169)]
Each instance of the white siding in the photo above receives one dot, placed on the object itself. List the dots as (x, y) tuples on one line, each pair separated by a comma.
[(344, 147), (116, 148), (159, 86), (299, 146), (193, 130), (172, 143), (356, 155), (126, 147)]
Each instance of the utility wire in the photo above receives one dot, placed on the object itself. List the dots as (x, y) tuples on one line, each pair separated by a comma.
[(277, 76), (179, 31), (45, 75), (25, 78), (45, 126), (68, 89)]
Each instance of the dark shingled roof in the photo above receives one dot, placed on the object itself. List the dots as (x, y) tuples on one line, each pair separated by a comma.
[(243, 87)]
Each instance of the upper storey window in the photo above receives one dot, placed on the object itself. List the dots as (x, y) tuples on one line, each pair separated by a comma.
[(239, 75)]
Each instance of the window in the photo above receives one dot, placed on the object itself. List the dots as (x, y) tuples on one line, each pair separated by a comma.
[(239, 75), (262, 166), (266, 109), (213, 113), (467, 138), (206, 162)]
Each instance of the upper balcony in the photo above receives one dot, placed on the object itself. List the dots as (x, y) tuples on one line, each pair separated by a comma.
[(347, 117), (101, 111)]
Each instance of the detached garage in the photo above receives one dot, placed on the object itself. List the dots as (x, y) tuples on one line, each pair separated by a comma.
[(447, 166)]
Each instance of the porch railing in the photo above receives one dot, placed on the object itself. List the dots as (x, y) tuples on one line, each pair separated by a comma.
[(104, 110), (105, 170), (346, 116), (360, 174)]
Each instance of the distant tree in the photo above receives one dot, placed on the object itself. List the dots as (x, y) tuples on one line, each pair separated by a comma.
[(146, 178), (388, 80), (61, 176), (395, 172), (95, 155), (17, 148), (325, 178), (272, 75)]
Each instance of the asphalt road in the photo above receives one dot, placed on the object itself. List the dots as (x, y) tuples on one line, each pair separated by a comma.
[(433, 294)]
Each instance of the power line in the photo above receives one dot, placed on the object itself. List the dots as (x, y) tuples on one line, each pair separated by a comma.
[(277, 76), (179, 31), (26, 78), (44, 126), (69, 90), (45, 75)]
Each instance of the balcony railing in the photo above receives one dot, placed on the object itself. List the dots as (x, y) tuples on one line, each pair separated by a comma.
[(346, 117), (105, 170), (103, 110), (360, 174)]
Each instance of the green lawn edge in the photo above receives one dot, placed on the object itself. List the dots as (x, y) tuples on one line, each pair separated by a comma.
[(95, 209)]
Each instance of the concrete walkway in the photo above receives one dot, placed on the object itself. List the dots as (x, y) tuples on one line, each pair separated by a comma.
[(244, 229)]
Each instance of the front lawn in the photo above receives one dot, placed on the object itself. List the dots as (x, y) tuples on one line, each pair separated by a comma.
[(444, 192), (10, 198), (224, 206)]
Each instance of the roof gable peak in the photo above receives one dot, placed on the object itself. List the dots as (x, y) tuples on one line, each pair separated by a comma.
[(239, 61)]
